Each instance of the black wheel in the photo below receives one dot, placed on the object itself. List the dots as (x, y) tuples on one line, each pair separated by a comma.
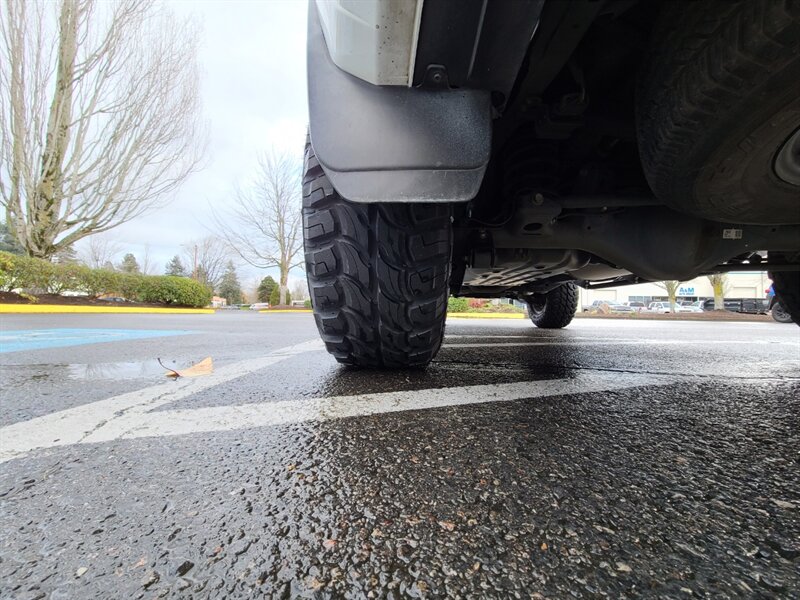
[(787, 291), (554, 309), (378, 274), (718, 109), (779, 314)]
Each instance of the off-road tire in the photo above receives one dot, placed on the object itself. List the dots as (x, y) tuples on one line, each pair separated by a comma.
[(378, 274), (718, 94), (556, 308), (787, 289)]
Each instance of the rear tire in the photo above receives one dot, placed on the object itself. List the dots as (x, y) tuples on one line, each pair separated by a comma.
[(787, 290), (378, 274), (556, 308)]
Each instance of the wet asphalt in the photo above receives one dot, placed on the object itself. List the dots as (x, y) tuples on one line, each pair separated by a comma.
[(614, 459)]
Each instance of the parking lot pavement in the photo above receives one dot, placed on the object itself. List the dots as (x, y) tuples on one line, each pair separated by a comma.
[(612, 458)]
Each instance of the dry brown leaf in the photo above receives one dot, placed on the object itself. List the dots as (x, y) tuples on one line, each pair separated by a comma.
[(204, 367)]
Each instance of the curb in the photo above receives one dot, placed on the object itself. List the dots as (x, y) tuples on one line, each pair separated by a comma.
[(30, 309), (485, 315), (299, 310), (685, 317)]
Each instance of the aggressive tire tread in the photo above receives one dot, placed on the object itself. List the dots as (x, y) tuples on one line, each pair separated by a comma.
[(378, 274), (559, 308), (715, 71)]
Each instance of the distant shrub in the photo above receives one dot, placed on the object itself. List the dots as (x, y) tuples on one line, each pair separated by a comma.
[(129, 286), (69, 276), (169, 289), (7, 272), (457, 304), (96, 282), (307, 303), (35, 275)]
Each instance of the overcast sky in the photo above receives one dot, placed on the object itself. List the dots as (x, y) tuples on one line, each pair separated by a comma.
[(253, 86)]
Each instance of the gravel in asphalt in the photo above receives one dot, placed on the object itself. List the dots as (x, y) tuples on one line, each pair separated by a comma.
[(613, 459)]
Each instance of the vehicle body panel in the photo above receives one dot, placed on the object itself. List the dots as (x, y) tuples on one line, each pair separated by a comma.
[(375, 41), (431, 143)]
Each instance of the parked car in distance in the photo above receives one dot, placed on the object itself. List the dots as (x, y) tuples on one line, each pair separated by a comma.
[(597, 304), (636, 306), (753, 306), (691, 307), (259, 306), (621, 308), (659, 307), (703, 305)]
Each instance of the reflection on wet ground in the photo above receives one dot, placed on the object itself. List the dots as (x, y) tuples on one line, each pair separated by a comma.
[(682, 484), (14, 376), (118, 370)]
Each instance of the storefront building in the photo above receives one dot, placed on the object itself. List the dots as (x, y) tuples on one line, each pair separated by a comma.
[(745, 285)]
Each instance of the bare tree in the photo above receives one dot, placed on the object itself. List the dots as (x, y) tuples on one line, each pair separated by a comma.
[(299, 290), (206, 259), (264, 224), (671, 288), (719, 281), (147, 263), (100, 251), (99, 115)]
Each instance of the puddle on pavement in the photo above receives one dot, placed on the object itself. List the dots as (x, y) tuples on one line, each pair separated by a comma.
[(118, 370)]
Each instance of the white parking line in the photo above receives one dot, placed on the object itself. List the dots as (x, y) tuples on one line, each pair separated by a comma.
[(129, 416), (75, 425), (227, 418), (620, 342)]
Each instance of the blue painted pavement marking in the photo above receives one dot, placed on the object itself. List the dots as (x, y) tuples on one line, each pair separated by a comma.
[(35, 339)]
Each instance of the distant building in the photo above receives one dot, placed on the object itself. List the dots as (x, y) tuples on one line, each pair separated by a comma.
[(217, 302), (743, 285)]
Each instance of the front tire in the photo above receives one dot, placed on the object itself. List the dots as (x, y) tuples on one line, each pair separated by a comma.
[(556, 308), (378, 274)]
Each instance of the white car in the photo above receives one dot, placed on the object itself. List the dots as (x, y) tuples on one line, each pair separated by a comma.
[(661, 308), (620, 308), (636, 306), (691, 307), (259, 306)]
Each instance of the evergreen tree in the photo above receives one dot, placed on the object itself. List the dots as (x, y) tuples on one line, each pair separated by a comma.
[(275, 296), (229, 287), (129, 264), (175, 267), (9, 243), (265, 288)]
